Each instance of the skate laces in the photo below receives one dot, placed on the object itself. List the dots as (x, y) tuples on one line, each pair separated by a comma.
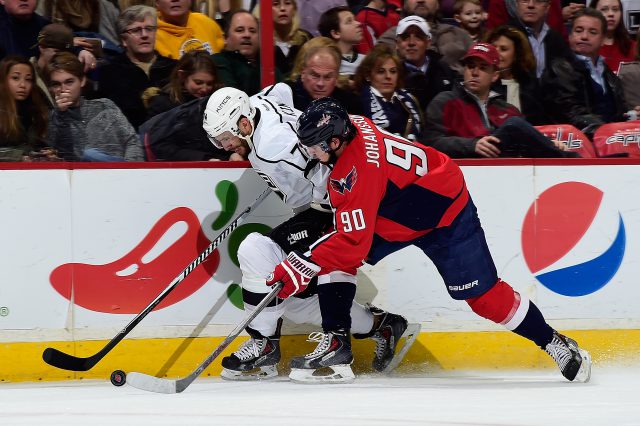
[(559, 351), (382, 343), (323, 340), (250, 349)]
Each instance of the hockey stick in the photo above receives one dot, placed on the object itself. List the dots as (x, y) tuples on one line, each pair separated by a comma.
[(160, 385), (65, 361)]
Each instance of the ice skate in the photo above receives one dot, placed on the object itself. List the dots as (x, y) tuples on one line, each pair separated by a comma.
[(388, 333), (256, 359), (574, 363), (404, 343), (332, 353)]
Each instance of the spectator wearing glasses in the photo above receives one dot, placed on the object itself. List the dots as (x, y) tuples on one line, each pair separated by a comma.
[(126, 76)]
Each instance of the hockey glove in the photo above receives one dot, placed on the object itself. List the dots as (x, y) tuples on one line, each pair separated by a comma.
[(295, 272)]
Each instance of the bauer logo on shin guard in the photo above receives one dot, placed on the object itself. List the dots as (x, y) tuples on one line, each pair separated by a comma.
[(462, 287)]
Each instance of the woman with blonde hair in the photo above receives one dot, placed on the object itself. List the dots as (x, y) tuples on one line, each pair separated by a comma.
[(23, 110), (379, 82), (518, 82), (288, 37)]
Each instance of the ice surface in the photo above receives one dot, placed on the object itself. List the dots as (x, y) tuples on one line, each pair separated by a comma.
[(450, 399)]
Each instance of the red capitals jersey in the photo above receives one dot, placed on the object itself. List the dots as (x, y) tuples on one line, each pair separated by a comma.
[(386, 185)]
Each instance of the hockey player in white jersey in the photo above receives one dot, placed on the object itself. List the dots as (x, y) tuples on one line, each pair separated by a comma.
[(263, 126)]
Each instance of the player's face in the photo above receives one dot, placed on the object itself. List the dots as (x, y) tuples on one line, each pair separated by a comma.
[(317, 152), (230, 142)]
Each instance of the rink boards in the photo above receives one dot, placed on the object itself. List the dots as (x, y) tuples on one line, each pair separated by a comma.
[(87, 248)]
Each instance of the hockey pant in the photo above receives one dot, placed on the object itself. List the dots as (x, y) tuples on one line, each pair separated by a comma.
[(258, 256)]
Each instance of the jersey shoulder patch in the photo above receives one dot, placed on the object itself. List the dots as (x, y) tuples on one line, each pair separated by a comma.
[(346, 183)]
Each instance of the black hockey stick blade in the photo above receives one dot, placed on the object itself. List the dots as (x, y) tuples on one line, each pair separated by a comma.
[(59, 359), (64, 361), (161, 385)]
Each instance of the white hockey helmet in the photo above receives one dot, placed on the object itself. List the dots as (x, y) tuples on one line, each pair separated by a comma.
[(224, 109)]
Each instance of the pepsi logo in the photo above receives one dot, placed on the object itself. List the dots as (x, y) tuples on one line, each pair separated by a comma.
[(573, 239)]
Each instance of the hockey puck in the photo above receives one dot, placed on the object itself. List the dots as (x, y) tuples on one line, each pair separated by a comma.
[(118, 378)]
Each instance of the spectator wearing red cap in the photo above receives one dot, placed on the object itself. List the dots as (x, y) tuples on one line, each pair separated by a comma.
[(473, 121)]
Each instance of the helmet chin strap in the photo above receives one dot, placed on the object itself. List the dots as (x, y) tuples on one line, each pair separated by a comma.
[(248, 138)]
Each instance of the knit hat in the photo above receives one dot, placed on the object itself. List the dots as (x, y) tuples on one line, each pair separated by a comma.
[(485, 51), (57, 36)]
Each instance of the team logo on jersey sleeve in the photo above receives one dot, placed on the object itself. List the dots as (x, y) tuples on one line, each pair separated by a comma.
[(346, 183)]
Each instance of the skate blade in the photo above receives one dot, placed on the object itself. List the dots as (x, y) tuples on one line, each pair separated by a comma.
[(263, 373), (341, 373), (584, 373), (410, 335)]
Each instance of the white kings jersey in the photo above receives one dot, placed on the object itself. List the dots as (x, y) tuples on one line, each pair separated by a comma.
[(276, 156)]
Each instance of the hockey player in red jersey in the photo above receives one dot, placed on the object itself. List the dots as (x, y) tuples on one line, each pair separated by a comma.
[(388, 193)]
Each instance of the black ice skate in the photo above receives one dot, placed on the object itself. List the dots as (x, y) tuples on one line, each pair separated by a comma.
[(574, 363), (255, 359), (388, 335), (333, 353)]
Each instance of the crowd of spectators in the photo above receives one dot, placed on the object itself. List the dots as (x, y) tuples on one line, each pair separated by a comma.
[(109, 80)]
